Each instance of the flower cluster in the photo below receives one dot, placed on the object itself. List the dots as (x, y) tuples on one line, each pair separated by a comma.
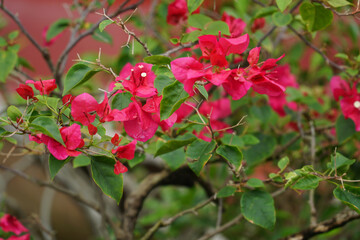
[(45, 87), (10, 224)]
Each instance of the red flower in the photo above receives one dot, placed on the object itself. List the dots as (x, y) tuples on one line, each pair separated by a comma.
[(25, 91), (9, 223), (67, 99), (258, 23), (141, 82), (116, 139), (126, 152), (236, 25), (236, 85), (106, 114), (45, 87), (177, 11), (119, 168), (83, 107), (92, 129)]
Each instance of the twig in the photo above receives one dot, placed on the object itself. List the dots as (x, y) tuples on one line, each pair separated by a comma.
[(97, 63), (240, 122), (176, 49), (53, 186), (337, 221), (167, 222)]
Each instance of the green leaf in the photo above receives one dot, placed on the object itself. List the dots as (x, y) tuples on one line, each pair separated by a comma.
[(110, 2), (342, 56), (193, 5), (198, 20), (162, 81), (8, 60), (13, 35), (199, 152), (259, 152), (47, 126), (175, 158), (230, 153), (102, 169), (266, 11), (121, 100), (25, 63), (173, 96), (338, 3), (249, 139), (258, 208), (215, 27), (191, 37), (203, 91), (104, 24), (13, 113), (315, 16), (138, 158), (81, 161), (255, 183), (341, 162), (55, 165), (283, 163), (281, 19), (307, 182), (3, 42), (174, 144), (77, 75), (345, 128), (226, 192), (157, 60), (57, 27), (102, 36), (283, 4), (350, 197)]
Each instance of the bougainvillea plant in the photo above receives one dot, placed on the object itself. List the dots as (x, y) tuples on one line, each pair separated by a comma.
[(243, 98)]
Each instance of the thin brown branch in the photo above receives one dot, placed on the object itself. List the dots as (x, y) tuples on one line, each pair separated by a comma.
[(51, 185), (338, 220), (179, 48)]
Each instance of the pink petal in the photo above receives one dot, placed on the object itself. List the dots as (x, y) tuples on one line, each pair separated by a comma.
[(339, 87), (9, 223), (71, 136), (126, 151), (253, 57), (234, 45), (57, 150), (119, 168), (82, 105)]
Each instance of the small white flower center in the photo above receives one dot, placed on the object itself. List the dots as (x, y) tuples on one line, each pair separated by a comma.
[(143, 74), (132, 69), (141, 66), (357, 104)]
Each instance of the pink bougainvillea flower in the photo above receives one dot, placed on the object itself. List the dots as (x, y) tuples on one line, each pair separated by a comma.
[(67, 99), (286, 79), (45, 87), (177, 11), (23, 237), (236, 85), (236, 25), (188, 70), (350, 107), (25, 91), (218, 109), (339, 87), (119, 168), (106, 114), (141, 82), (216, 50), (138, 123), (115, 140), (92, 129), (83, 107), (126, 152), (9, 223), (258, 23), (71, 137), (51, 41)]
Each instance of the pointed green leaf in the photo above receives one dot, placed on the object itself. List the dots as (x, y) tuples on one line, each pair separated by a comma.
[(175, 158), (283, 163), (57, 27), (198, 165), (198, 20), (121, 100), (81, 161), (345, 128), (341, 162), (350, 197), (138, 158), (104, 24), (102, 36), (162, 81), (315, 16), (255, 183), (173, 96), (338, 3), (283, 4), (174, 144), (307, 182), (226, 192), (157, 60), (47, 126), (193, 5), (55, 165), (77, 75), (199, 153), (281, 19), (13, 113), (230, 153), (258, 208), (8, 61), (203, 91), (102, 169), (215, 27)]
